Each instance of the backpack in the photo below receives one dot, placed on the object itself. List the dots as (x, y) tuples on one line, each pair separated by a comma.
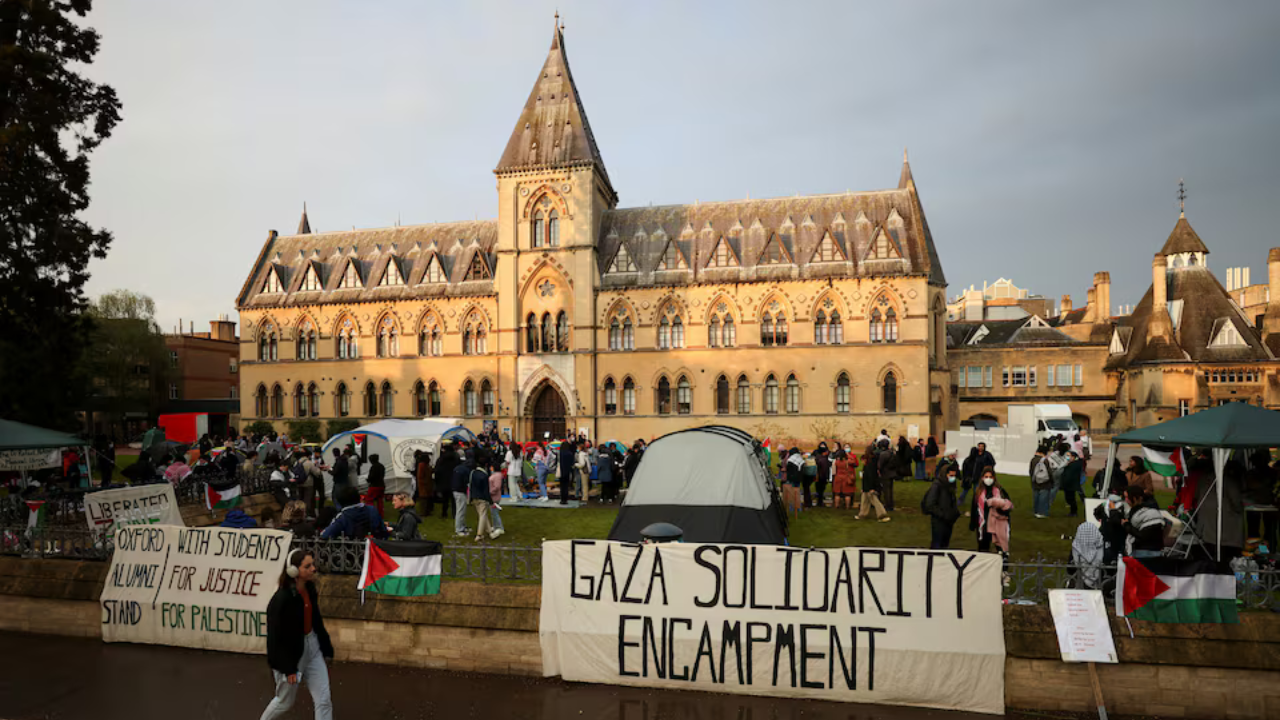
[(1042, 475), (299, 472), (1056, 465)]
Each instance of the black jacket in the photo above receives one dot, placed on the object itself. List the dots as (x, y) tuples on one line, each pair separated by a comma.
[(285, 640), (341, 471), (407, 526), (460, 481), (445, 465), (377, 475), (940, 502)]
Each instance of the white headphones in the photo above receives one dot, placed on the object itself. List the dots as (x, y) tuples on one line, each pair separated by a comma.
[(290, 568)]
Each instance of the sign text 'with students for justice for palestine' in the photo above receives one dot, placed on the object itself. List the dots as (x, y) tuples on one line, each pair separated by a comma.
[(890, 626), (192, 587)]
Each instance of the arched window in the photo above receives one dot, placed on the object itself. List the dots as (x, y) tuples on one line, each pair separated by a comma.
[(713, 332), (890, 392), (429, 338), (486, 397), (346, 340), (610, 397), (342, 401), (469, 400), (537, 230), (299, 401), (548, 334), (433, 400), (306, 344), (877, 326), (842, 393), (531, 333), (771, 395), (744, 395), (766, 330), (277, 401), (664, 334), (615, 335), (562, 332), (684, 396), (677, 332), (773, 330), (820, 328), (260, 407), (370, 400), (466, 340), (419, 399), (553, 229), (388, 339), (793, 394), (268, 343), (313, 400), (835, 329), (629, 397), (780, 330), (628, 335), (388, 400), (890, 326), (662, 396), (482, 339), (730, 332), (722, 395)]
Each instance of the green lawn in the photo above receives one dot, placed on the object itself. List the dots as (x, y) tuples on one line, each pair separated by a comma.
[(823, 527)]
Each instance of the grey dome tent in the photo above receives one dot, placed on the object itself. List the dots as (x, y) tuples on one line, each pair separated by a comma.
[(709, 481)]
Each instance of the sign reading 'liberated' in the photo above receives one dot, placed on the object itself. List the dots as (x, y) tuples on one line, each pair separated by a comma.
[(192, 587), (134, 505), (890, 626)]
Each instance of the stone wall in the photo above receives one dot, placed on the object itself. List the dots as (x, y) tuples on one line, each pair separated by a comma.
[(1171, 671)]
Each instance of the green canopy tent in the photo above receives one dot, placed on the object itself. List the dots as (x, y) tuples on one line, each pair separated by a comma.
[(1223, 429), (27, 447)]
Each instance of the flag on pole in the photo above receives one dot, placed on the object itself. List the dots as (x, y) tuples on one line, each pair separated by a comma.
[(403, 568), (36, 516), (222, 495), (1174, 590), (1165, 462)]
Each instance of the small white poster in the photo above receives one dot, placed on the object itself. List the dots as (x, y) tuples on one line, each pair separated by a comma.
[(1084, 633), (913, 431)]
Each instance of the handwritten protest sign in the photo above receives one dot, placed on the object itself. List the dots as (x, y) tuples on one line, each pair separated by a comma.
[(1084, 630), (904, 627), (33, 459), (136, 505), (192, 587)]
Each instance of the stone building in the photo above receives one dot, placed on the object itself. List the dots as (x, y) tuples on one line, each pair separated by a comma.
[(791, 317)]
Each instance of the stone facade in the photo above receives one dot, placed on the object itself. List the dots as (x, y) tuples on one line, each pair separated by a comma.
[(795, 318)]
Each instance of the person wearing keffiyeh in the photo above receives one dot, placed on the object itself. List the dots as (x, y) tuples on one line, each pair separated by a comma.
[(1086, 554)]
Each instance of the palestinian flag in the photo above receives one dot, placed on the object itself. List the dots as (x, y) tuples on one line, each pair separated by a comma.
[(359, 444), (1174, 590), (220, 495), (36, 516), (405, 568), (1165, 462)]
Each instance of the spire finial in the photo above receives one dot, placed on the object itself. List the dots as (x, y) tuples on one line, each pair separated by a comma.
[(904, 154), (1182, 198)]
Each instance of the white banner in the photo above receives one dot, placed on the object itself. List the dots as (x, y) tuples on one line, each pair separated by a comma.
[(34, 459), (135, 505), (192, 587), (887, 626)]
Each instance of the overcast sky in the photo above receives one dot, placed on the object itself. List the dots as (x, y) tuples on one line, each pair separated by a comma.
[(1046, 139)]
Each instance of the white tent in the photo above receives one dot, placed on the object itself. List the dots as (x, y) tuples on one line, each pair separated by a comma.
[(395, 441)]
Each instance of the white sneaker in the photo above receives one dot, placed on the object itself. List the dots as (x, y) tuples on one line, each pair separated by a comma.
[(497, 532), (464, 533), (544, 498)]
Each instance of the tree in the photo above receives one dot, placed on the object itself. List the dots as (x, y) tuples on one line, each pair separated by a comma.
[(127, 362), (51, 119)]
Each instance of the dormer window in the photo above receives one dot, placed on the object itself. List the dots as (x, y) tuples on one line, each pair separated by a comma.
[(350, 277), (311, 281), (273, 284), (434, 273), (392, 276), (1226, 335)]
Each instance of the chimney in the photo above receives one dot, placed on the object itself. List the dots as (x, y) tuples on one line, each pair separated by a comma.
[(1102, 283), (1159, 284), (1066, 304), (1271, 320), (1245, 281), (1091, 305), (222, 329)]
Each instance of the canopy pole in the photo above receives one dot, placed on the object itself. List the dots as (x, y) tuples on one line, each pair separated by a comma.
[(1111, 463), (1219, 463)]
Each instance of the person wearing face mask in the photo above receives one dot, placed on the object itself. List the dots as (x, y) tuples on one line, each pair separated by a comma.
[(940, 505), (991, 520), (297, 642)]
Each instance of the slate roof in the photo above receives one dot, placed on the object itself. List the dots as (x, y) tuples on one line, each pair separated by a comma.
[(853, 220), (1020, 331), (1183, 239), (552, 130), (412, 247)]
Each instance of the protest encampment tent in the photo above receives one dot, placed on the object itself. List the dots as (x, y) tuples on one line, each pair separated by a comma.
[(708, 481), (1228, 427), (26, 447), (395, 441)]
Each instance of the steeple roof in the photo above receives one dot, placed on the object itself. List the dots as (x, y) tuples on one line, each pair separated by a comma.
[(1183, 239), (304, 225), (552, 130), (905, 179)]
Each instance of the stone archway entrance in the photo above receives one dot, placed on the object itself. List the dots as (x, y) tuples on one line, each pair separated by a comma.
[(548, 412)]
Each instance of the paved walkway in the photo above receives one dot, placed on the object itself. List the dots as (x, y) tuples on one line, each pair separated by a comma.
[(50, 677)]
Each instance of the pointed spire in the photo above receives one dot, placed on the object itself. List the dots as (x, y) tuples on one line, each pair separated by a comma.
[(905, 180), (304, 225), (552, 130)]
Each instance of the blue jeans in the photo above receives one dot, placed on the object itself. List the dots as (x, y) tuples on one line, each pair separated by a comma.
[(1042, 500), (460, 514), (495, 518), (542, 481)]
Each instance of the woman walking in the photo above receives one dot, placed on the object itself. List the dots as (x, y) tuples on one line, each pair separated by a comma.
[(794, 469), (992, 517), (515, 472), (297, 643)]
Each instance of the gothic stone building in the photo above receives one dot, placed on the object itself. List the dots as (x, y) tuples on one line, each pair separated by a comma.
[(790, 318)]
